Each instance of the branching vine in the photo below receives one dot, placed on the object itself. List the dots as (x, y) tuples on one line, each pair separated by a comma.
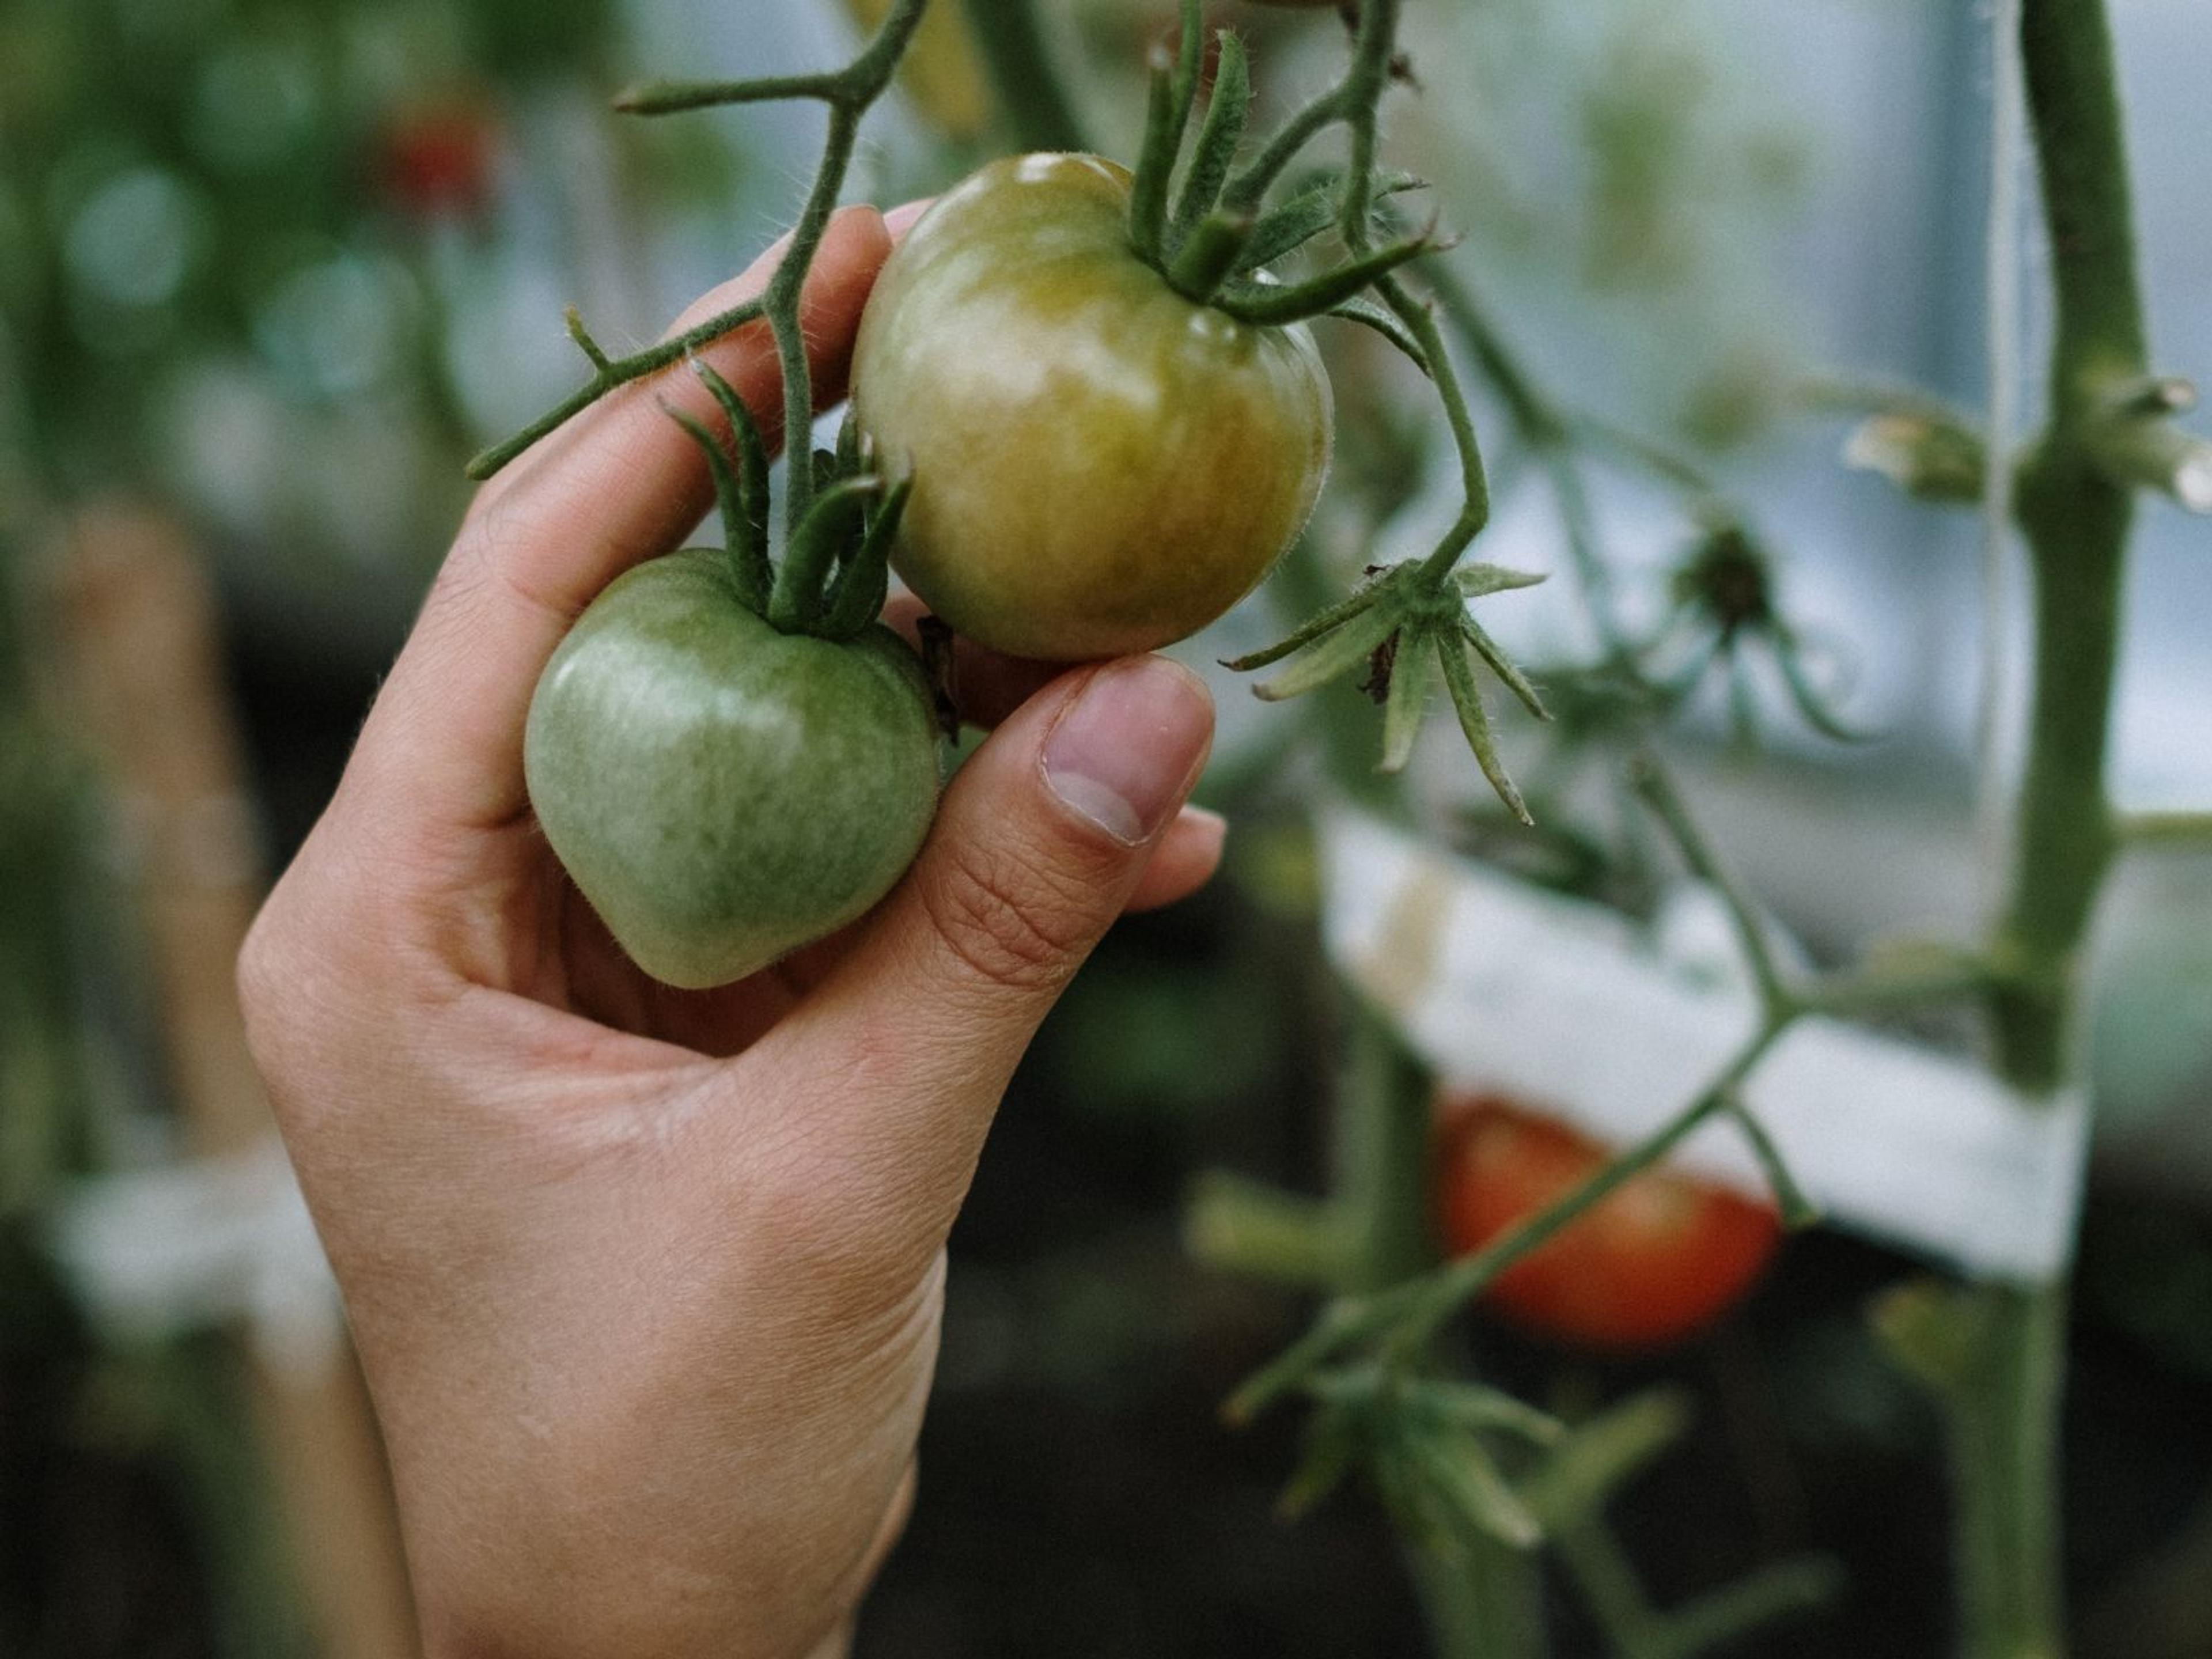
[(1455, 1460)]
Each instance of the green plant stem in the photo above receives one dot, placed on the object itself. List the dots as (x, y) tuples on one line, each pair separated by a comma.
[(782, 304), (2074, 519), (1023, 78), (1420, 321), (2166, 830), (1657, 789), (616, 371), (1364, 83), (1403, 1318), (1382, 1143), (1483, 1598), (847, 93), (2002, 1422)]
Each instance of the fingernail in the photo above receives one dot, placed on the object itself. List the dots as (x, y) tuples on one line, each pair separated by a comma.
[(1127, 750), (900, 219)]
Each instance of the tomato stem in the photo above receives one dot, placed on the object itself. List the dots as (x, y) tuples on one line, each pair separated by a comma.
[(847, 93), (1374, 48), (2075, 517)]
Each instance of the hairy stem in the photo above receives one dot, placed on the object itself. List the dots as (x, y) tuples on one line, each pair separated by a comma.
[(2074, 519)]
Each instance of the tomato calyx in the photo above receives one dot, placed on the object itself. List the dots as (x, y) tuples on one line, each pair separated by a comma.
[(1408, 625), (1725, 602), (834, 573), (1212, 241)]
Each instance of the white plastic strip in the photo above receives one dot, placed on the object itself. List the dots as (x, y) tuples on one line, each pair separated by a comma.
[(154, 1252), (1570, 1008)]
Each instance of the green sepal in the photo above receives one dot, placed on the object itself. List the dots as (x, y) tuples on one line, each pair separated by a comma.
[(1205, 260), (1313, 628), (1475, 1406), (1474, 722), (1479, 581), (1173, 87), (1368, 314), (1226, 109), (1598, 1456), (825, 537), (753, 503), (1503, 666), (1475, 1496), (856, 597), (1338, 652), (1334, 1441), (1412, 675), (1308, 211), (743, 569), (1267, 305)]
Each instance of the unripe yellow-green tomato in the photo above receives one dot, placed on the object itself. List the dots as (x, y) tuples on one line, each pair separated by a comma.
[(1100, 464)]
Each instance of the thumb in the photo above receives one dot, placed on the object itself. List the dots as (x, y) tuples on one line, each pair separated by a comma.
[(1040, 842)]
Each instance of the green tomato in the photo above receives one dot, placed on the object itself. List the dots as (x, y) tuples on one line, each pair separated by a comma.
[(1100, 465), (721, 792)]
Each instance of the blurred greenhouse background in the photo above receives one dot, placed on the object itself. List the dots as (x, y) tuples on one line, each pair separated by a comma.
[(271, 270)]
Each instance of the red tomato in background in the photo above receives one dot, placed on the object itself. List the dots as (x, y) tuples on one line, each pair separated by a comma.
[(435, 161), (1656, 1261)]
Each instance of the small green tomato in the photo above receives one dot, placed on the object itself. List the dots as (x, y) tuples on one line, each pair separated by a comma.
[(721, 792), (1100, 464)]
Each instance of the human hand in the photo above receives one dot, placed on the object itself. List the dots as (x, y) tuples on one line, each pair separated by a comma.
[(646, 1284)]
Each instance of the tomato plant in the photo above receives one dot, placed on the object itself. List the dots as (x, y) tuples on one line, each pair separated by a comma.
[(1655, 1262), (1102, 464), (732, 759)]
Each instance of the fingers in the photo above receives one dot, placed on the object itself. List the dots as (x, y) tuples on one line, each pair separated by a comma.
[(1044, 837), (986, 687), (617, 484), (1184, 861)]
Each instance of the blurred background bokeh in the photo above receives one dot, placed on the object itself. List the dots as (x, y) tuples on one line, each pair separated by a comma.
[(271, 270)]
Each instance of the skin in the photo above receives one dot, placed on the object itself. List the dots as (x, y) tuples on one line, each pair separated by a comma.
[(1654, 1263), (722, 792), (647, 1283), (1100, 467)]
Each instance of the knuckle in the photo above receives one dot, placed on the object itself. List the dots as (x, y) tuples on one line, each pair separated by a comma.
[(1006, 920)]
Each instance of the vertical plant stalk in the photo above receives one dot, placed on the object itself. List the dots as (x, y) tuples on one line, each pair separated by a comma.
[(2075, 518), (1036, 106)]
